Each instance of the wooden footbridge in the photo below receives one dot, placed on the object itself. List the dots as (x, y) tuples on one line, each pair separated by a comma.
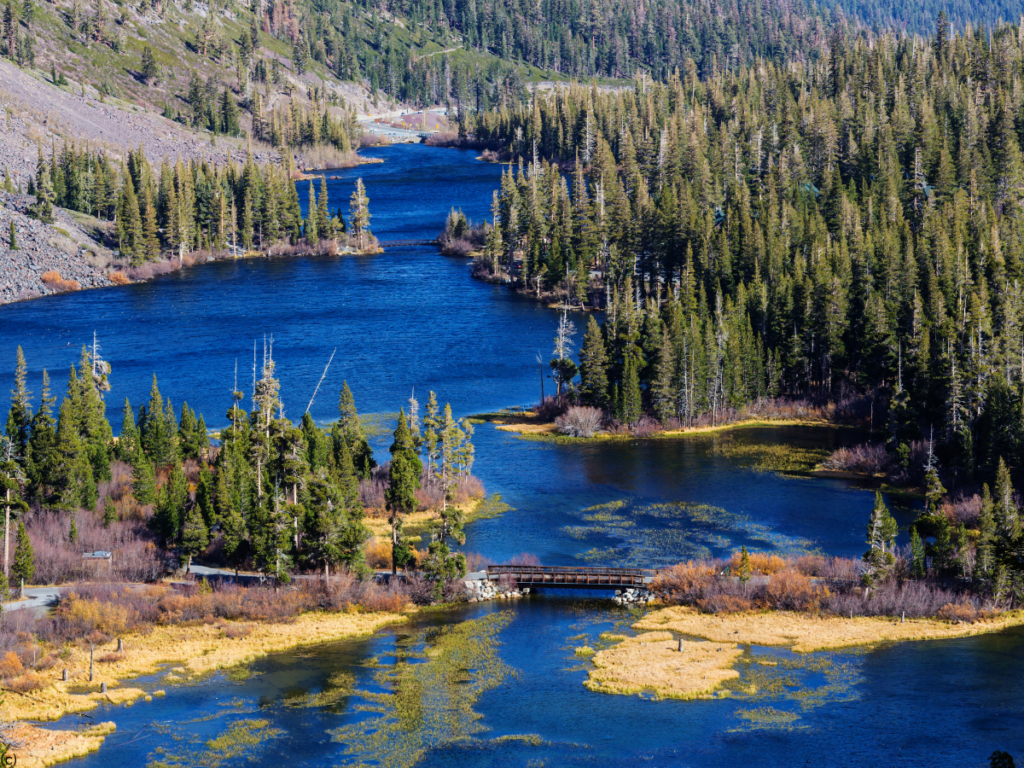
[(571, 576)]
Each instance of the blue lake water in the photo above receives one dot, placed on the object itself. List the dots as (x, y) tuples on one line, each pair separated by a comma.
[(409, 319)]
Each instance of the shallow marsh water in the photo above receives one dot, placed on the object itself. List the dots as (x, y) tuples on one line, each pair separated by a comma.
[(410, 318)]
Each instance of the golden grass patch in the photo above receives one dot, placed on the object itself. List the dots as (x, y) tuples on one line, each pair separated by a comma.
[(549, 428), (805, 632), (38, 747), (198, 649), (652, 662)]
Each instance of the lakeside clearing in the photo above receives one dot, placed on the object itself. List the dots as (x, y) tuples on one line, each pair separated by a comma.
[(651, 662)]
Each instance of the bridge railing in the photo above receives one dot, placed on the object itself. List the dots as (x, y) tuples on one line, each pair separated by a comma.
[(570, 575)]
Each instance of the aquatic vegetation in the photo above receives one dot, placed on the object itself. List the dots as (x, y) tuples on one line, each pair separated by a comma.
[(657, 534), (491, 506), (767, 717), (435, 680), (770, 457), (199, 649), (241, 739), (339, 688), (652, 662)]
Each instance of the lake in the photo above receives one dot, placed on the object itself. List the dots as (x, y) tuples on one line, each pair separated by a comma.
[(410, 319)]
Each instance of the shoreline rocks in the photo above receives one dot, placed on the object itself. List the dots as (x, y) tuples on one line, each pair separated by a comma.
[(633, 596)]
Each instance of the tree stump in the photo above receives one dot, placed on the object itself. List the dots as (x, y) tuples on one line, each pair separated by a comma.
[(64, 677), (103, 687), (680, 645), (120, 645)]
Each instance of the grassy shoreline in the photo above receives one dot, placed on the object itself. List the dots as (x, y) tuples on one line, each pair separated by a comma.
[(528, 426), (194, 650), (650, 663)]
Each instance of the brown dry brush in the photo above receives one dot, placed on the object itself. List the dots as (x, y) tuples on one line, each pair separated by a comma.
[(110, 609), (827, 585)]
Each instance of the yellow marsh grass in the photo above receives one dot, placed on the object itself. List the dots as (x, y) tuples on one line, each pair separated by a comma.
[(198, 649), (416, 521), (39, 747), (652, 662), (805, 632), (529, 429)]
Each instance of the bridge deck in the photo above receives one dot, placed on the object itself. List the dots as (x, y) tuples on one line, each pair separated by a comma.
[(570, 576)]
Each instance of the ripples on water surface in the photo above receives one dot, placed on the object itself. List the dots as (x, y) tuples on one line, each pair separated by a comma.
[(410, 318)]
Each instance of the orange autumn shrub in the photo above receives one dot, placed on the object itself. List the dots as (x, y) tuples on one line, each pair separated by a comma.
[(10, 666), (119, 278), (53, 280), (759, 563)]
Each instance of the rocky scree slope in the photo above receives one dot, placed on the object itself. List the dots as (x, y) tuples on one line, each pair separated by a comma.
[(65, 247)]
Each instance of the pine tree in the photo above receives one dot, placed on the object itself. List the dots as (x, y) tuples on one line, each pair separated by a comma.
[(594, 367), (312, 229), (917, 554), (72, 531), (42, 444), (194, 535), (171, 506), (349, 429), (11, 478), (19, 418), (1005, 514), (23, 570), (359, 215), (143, 481), (45, 196), (128, 447), (323, 217), (236, 536), (631, 407), (985, 560), (400, 496), (149, 69), (882, 531), (744, 571), (431, 431), (12, 241), (662, 388), (109, 513)]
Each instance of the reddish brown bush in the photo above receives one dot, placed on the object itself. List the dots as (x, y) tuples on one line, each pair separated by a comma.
[(27, 683), (788, 590), (684, 583), (119, 278), (958, 613), (723, 603)]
